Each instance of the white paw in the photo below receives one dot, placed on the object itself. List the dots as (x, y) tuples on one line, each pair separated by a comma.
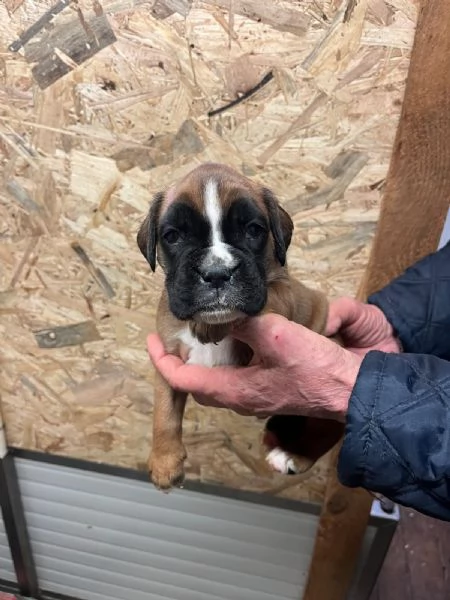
[(281, 462)]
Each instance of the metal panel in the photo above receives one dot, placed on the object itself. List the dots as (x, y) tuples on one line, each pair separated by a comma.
[(97, 536), (107, 535), (445, 235), (7, 572), (376, 544)]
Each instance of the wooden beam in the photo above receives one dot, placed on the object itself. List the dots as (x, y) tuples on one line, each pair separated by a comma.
[(342, 524), (417, 195), (413, 211)]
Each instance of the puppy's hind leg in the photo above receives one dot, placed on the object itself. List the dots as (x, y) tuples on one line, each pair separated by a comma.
[(295, 443), (166, 464)]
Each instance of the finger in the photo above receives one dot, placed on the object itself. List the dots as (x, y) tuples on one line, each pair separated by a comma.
[(196, 379), (213, 402), (168, 365), (342, 312), (155, 347)]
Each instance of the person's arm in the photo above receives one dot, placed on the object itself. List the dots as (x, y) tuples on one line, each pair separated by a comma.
[(417, 304), (397, 438)]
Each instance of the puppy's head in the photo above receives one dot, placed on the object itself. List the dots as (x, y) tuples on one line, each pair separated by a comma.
[(219, 237)]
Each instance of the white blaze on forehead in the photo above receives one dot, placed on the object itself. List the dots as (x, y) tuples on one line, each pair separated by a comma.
[(218, 251)]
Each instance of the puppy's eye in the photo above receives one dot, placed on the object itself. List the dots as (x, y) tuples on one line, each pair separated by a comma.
[(254, 230), (172, 236)]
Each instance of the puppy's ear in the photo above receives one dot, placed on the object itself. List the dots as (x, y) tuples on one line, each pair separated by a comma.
[(147, 237), (281, 225)]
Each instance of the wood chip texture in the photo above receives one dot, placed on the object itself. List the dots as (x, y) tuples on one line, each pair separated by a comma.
[(81, 159)]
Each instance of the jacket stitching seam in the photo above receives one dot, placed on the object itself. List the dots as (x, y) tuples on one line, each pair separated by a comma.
[(436, 389), (409, 402), (371, 428), (433, 384)]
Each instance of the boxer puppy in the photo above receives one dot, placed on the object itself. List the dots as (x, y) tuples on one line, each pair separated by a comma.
[(221, 240)]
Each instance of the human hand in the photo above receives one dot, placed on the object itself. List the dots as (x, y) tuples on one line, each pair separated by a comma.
[(362, 327), (294, 371)]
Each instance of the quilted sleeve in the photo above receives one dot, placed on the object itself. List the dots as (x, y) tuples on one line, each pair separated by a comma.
[(417, 304), (397, 438)]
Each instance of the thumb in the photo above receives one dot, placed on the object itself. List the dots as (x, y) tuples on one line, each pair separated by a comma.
[(166, 364), (190, 378), (171, 367)]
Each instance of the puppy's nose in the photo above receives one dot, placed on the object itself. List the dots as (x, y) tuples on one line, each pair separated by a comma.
[(216, 275)]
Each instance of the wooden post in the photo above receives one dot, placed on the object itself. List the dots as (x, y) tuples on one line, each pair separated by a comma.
[(412, 215)]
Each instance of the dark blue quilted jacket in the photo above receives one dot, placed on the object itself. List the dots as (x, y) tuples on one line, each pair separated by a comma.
[(397, 439)]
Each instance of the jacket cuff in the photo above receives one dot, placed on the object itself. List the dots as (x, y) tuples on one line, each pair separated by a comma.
[(387, 389), (396, 441), (356, 448)]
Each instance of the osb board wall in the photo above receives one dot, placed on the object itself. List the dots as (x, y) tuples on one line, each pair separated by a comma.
[(82, 155)]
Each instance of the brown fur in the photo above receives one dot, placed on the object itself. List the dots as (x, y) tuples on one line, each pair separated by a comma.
[(286, 297)]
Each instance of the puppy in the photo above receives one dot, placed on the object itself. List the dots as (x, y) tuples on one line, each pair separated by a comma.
[(221, 240)]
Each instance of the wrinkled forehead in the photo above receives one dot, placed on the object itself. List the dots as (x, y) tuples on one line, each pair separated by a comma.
[(213, 186)]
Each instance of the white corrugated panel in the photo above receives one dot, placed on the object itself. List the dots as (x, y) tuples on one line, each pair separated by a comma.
[(7, 572), (99, 537)]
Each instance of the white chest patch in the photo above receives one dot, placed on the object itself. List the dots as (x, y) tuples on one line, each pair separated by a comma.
[(219, 250), (208, 355)]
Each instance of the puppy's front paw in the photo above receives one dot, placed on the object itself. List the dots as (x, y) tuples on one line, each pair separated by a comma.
[(167, 470)]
